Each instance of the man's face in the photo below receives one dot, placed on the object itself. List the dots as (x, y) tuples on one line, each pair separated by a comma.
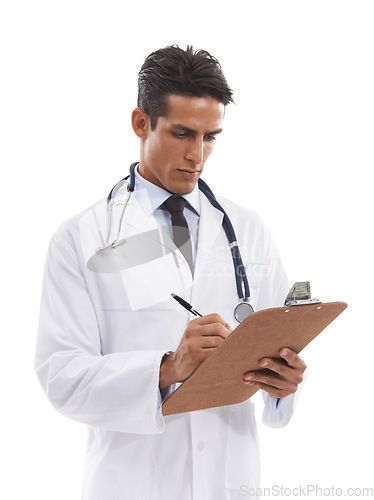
[(175, 152)]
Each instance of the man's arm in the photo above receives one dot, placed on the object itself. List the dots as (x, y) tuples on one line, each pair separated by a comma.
[(117, 391)]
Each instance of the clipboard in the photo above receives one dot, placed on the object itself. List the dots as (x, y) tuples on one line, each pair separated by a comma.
[(218, 381)]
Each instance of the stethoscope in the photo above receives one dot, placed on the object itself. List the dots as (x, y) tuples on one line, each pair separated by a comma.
[(244, 308)]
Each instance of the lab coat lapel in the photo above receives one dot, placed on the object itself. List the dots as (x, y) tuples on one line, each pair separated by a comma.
[(135, 218), (214, 285), (156, 268), (137, 221), (210, 227)]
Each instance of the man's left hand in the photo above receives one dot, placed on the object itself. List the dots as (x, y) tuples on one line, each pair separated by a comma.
[(280, 378)]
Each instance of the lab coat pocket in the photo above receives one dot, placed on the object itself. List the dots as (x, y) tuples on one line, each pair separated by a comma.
[(152, 283), (242, 455)]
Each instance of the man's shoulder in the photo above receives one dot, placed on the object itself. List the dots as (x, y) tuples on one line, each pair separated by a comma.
[(234, 210), (71, 226), (246, 222)]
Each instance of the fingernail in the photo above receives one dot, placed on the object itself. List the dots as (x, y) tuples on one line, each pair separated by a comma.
[(249, 376), (284, 352), (264, 363)]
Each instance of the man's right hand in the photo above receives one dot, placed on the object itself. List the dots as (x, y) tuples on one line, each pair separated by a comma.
[(199, 340)]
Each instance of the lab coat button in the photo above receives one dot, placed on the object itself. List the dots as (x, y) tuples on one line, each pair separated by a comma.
[(200, 446)]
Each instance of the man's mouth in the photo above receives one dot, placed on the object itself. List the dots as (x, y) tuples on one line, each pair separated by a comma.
[(190, 172)]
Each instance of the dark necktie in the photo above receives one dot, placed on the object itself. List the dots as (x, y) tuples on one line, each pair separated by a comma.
[(181, 234)]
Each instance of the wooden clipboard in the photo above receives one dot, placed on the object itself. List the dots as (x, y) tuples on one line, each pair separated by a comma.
[(218, 381)]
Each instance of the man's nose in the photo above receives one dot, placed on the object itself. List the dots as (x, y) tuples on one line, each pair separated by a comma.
[(195, 152)]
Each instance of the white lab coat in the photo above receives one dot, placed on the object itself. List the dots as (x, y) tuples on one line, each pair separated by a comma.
[(101, 339)]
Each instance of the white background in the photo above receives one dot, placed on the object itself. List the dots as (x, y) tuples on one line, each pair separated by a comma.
[(297, 148)]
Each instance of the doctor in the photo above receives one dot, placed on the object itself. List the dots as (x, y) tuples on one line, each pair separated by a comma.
[(112, 343)]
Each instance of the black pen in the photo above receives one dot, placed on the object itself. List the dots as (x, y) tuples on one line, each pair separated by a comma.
[(186, 305)]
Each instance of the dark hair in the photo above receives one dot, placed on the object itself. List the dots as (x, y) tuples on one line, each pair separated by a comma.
[(172, 70)]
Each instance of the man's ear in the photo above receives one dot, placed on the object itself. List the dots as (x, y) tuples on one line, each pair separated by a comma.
[(141, 123)]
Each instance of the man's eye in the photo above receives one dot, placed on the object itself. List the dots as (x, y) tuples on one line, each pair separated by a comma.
[(210, 137), (180, 135)]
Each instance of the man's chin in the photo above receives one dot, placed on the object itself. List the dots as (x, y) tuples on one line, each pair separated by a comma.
[(182, 190)]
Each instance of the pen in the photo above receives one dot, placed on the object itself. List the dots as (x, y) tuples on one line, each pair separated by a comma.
[(186, 305)]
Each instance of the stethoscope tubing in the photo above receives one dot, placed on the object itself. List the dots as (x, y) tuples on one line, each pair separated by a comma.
[(240, 273)]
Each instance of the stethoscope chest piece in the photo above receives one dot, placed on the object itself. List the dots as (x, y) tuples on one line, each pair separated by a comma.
[(242, 311)]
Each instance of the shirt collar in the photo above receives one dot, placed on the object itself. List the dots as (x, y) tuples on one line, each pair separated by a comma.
[(151, 197)]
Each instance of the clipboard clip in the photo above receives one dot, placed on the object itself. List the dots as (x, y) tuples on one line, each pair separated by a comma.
[(300, 295)]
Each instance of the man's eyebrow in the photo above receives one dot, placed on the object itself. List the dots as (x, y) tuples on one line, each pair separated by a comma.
[(193, 131)]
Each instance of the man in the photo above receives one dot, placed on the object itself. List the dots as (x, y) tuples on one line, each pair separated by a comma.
[(112, 342)]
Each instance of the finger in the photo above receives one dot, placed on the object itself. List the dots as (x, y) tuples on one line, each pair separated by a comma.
[(212, 319), (274, 392), (264, 377), (278, 367), (267, 379), (292, 359), (210, 342), (213, 329), (281, 368)]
